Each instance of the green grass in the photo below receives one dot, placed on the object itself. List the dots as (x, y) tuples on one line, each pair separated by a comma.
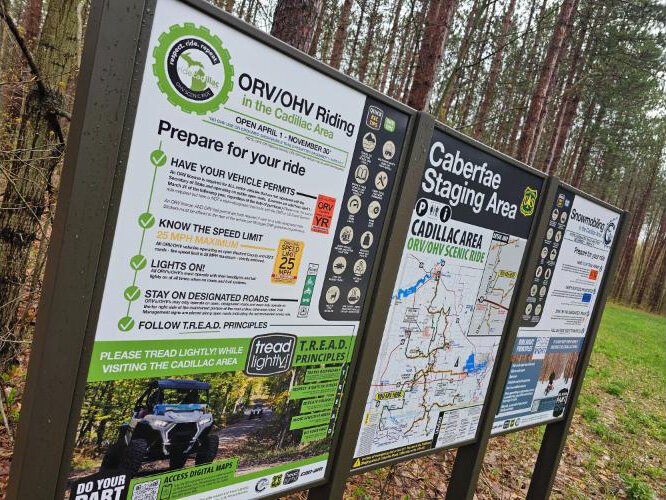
[(617, 444), (622, 426)]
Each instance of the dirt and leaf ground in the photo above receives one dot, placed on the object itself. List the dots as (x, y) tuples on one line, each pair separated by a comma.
[(617, 448)]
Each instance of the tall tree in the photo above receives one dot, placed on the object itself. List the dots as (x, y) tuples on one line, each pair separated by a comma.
[(438, 21), (495, 66), (540, 94), (392, 37), (369, 39), (294, 22), (37, 150), (341, 34)]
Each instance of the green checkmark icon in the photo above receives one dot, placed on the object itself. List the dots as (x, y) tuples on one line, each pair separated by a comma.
[(158, 157), (125, 324), (146, 220), (132, 293), (138, 262)]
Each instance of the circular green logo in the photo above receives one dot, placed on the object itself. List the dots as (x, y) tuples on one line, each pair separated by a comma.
[(193, 69)]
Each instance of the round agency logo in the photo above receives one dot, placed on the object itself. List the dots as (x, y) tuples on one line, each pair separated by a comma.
[(193, 69), (609, 234), (261, 485)]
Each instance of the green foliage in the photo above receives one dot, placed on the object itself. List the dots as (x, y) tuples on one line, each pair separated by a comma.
[(621, 405), (637, 489)]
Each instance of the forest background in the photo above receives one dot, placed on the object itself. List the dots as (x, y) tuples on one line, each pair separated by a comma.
[(573, 87)]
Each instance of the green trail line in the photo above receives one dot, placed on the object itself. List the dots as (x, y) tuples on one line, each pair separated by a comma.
[(279, 146)]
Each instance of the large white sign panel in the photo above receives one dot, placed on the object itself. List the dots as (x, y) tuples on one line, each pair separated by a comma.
[(254, 198), (556, 316), (457, 276)]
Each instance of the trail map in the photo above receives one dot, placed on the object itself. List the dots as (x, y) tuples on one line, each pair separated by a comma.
[(448, 310)]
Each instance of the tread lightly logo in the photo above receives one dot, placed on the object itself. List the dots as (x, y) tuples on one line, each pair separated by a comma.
[(193, 69)]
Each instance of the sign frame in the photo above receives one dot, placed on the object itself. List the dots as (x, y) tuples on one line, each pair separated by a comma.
[(469, 459), (375, 327), (112, 66)]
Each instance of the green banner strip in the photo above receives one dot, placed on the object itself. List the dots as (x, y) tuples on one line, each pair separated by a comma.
[(211, 485), (314, 434), (317, 404), (313, 390), (310, 420), (322, 374), (120, 360), (187, 482), (323, 350), (130, 359)]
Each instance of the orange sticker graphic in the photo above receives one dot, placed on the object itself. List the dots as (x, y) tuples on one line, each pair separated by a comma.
[(323, 216), (287, 262)]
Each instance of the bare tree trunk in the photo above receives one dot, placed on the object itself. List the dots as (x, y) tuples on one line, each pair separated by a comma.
[(32, 17), (320, 24), (649, 258), (392, 37), (450, 88), (341, 35), (495, 66), (571, 96), (635, 228), (38, 148), (369, 39), (328, 36), (540, 95), (406, 40), (403, 85), (657, 293), (357, 32), (294, 22), (476, 67), (576, 148), (430, 54), (581, 163)]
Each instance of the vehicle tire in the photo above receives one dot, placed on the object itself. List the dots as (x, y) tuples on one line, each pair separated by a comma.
[(112, 457), (208, 450), (134, 455), (177, 460)]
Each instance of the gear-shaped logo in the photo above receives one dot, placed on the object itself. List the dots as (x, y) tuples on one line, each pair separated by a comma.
[(193, 69)]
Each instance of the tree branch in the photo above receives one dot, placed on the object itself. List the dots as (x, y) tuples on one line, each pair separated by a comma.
[(34, 69)]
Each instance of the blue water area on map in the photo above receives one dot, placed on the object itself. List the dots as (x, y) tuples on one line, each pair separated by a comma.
[(403, 293), (470, 367)]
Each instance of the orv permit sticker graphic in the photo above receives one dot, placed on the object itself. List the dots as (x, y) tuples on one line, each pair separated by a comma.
[(193, 68)]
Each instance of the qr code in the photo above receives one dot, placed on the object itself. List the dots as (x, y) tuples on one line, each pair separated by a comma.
[(146, 491)]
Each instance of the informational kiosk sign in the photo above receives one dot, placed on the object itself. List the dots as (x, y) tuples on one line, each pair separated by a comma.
[(460, 264), (556, 315), (246, 220)]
